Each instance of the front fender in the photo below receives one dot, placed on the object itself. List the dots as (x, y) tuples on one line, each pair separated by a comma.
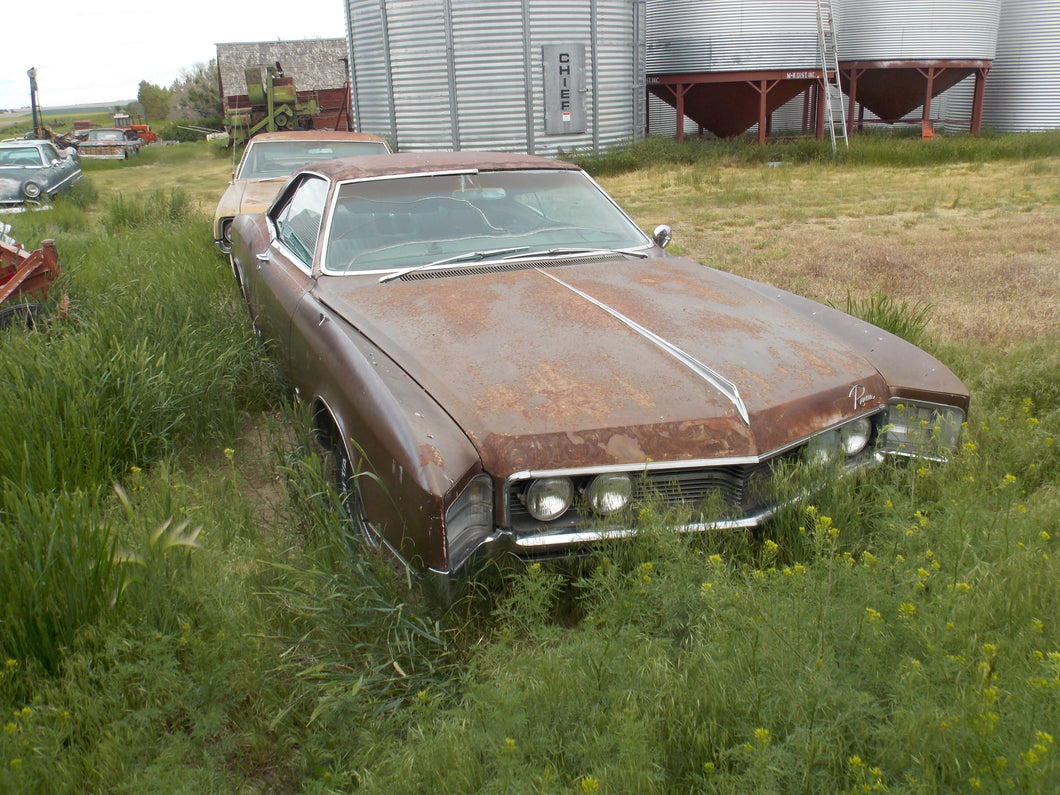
[(420, 458)]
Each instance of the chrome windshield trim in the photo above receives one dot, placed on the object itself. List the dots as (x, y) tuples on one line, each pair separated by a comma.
[(708, 374), (409, 175)]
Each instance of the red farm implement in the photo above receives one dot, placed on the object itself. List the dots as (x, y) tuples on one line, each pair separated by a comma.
[(25, 277)]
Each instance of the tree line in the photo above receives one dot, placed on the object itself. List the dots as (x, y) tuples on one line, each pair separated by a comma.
[(194, 96)]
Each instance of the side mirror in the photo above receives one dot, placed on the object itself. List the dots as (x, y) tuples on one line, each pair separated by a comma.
[(662, 235)]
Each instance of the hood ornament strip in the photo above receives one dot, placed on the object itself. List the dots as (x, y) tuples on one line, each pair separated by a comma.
[(714, 378)]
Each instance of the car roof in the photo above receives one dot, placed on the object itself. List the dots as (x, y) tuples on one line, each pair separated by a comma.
[(314, 135), (405, 163)]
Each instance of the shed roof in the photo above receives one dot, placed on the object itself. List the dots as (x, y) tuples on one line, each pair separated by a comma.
[(315, 64)]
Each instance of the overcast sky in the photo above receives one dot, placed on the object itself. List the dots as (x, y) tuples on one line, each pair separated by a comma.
[(98, 52)]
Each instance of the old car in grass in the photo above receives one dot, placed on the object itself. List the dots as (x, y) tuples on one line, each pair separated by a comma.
[(35, 171), (499, 359), (267, 161), (108, 143)]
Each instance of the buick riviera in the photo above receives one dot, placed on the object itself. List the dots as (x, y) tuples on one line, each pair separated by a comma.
[(500, 360)]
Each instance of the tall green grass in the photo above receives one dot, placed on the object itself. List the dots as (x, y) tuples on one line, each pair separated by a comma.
[(908, 321), (57, 568), (150, 361), (873, 148)]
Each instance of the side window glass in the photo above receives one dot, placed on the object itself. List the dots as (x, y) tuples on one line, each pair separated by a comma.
[(298, 222)]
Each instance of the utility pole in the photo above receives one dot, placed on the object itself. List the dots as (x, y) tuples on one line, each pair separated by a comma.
[(38, 122)]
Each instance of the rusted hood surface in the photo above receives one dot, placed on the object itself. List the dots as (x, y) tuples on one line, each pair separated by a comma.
[(249, 196), (596, 363)]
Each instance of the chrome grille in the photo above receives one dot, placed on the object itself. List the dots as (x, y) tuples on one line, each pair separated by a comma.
[(737, 493)]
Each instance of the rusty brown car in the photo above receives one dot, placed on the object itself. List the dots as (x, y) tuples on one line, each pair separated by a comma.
[(501, 360)]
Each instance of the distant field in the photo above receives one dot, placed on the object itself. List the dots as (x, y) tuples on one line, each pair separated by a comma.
[(59, 119)]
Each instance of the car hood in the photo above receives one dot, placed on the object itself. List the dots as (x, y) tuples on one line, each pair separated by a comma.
[(249, 196), (612, 361)]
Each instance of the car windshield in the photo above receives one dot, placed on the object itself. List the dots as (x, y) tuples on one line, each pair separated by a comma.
[(106, 135), (409, 222), (270, 159)]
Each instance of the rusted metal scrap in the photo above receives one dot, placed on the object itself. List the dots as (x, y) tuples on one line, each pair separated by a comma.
[(25, 278)]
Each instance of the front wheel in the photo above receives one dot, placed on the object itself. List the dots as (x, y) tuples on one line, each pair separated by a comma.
[(345, 476)]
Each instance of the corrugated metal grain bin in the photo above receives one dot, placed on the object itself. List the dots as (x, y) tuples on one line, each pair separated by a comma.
[(897, 55), (1023, 92), (731, 35), (727, 64), (914, 30), (518, 76)]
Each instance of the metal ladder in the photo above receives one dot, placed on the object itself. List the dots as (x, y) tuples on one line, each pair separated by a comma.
[(828, 56)]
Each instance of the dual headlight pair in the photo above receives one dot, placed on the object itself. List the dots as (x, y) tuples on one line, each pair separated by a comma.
[(547, 499)]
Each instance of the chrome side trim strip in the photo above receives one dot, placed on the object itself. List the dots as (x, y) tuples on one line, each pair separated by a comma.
[(711, 376), (559, 540)]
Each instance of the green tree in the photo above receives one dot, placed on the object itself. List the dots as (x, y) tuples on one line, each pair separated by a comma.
[(197, 94), (154, 99)]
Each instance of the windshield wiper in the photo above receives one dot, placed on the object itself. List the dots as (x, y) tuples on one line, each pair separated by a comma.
[(470, 256), (563, 252)]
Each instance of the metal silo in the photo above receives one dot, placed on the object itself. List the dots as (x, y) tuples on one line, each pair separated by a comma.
[(515, 76), (896, 55), (1024, 88), (728, 64)]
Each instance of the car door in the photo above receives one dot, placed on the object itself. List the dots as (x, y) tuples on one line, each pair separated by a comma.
[(284, 270), (59, 168)]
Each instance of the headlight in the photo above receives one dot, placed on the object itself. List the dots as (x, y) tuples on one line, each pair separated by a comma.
[(226, 231), (921, 429), (609, 493), (469, 519), (854, 436), (548, 498), (838, 444)]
